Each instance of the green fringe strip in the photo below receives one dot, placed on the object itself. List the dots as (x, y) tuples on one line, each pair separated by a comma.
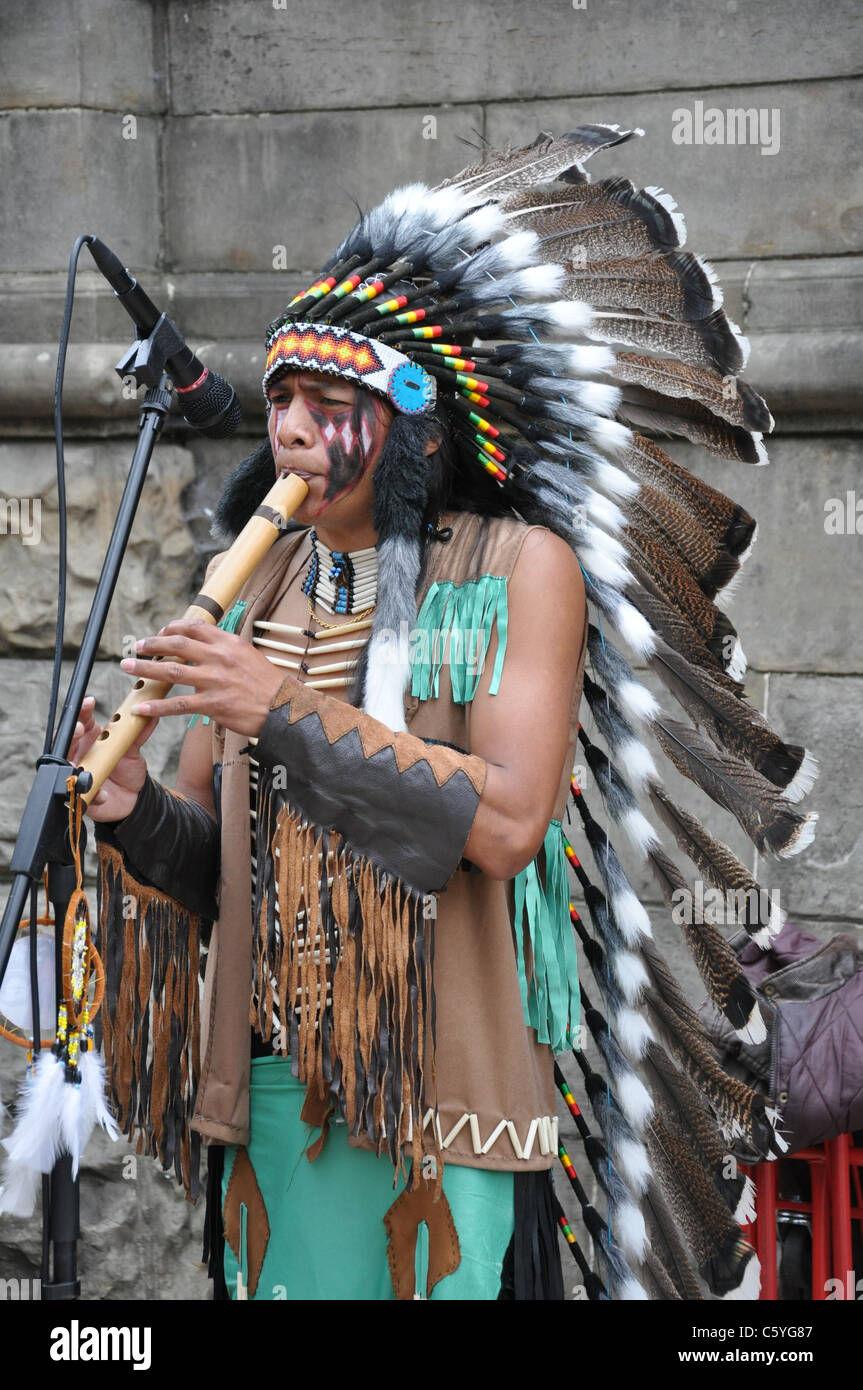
[(456, 621), (229, 623), (547, 963)]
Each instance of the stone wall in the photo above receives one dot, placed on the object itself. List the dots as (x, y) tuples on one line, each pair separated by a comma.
[(219, 148)]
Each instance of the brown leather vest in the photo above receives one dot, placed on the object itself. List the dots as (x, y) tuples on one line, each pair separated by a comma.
[(495, 1085)]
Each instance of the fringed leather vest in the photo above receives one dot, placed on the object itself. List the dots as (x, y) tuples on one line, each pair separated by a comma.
[(505, 983)]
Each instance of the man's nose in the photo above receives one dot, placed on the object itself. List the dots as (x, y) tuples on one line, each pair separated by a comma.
[(294, 424)]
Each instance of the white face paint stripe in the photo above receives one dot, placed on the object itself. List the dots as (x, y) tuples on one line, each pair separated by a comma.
[(329, 432), (347, 436)]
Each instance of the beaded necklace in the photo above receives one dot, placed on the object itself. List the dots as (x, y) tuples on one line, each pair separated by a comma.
[(344, 582)]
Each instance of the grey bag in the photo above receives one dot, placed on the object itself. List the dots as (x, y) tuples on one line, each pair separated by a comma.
[(811, 1063)]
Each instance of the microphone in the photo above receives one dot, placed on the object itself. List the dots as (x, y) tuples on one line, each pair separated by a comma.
[(209, 403)]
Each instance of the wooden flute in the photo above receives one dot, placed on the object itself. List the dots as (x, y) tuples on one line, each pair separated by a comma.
[(217, 595)]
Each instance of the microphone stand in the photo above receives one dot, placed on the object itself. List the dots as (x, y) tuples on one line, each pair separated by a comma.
[(43, 837)]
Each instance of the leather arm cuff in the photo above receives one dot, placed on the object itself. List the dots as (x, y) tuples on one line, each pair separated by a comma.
[(170, 843), (406, 805)]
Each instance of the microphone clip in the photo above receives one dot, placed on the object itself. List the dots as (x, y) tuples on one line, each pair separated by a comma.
[(147, 357)]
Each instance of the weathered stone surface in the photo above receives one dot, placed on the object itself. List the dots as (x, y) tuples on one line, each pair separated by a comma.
[(798, 604), (88, 53), (31, 304), (239, 55), (22, 722), (826, 880), (203, 246), (797, 294), (807, 372), (802, 200), (272, 162), (155, 582), (67, 172)]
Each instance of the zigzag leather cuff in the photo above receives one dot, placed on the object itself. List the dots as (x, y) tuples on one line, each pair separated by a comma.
[(406, 805), (171, 843)]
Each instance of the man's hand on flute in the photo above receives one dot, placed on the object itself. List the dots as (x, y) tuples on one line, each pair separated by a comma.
[(119, 792), (232, 682)]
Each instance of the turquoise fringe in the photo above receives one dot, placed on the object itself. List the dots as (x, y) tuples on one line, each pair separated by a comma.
[(550, 997), (229, 623), (463, 613)]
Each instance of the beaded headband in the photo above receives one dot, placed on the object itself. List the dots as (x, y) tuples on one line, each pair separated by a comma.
[(322, 347)]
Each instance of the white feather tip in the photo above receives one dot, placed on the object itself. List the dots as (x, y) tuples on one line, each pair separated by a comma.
[(803, 779), (745, 1212), (677, 218)]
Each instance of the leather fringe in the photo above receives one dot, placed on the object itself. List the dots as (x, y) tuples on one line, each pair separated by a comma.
[(213, 1253), (150, 1019), (355, 991), (531, 1266)]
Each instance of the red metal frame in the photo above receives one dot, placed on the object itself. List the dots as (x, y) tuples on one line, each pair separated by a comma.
[(833, 1167)]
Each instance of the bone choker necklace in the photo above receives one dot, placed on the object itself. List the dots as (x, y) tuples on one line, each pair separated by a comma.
[(342, 581)]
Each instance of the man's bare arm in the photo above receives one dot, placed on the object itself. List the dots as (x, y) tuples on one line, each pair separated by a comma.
[(522, 732)]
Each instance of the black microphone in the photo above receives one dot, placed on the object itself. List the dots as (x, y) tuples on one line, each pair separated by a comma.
[(208, 402)]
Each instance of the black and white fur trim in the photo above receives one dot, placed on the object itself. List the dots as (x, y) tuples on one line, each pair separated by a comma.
[(400, 501), (243, 492)]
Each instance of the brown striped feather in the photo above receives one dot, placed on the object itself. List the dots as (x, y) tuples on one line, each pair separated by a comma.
[(714, 959), (691, 421), (767, 817), (545, 158), (727, 396), (672, 286), (731, 527), (652, 512), (676, 585), (720, 868), (709, 342), (732, 723), (676, 630), (596, 222)]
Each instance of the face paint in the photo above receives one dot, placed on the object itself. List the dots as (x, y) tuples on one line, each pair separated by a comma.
[(353, 435)]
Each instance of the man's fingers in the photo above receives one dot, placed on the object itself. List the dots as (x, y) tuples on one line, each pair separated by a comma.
[(177, 645), (171, 672), (82, 743), (180, 704), (195, 627), (182, 630), (144, 734)]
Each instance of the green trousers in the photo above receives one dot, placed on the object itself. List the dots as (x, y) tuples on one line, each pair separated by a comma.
[(327, 1236)]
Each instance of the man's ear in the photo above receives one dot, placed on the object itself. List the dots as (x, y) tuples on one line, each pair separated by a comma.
[(433, 442)]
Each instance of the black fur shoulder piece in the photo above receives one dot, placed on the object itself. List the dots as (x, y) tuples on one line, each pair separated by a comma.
[(243, 492)]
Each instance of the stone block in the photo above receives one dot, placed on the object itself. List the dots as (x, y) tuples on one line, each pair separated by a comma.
[(88, 53), (26, 685), (293, 181), (825, 880), (787, 296), (802, 200), (156, 579), (241, 55), (68, 172)]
